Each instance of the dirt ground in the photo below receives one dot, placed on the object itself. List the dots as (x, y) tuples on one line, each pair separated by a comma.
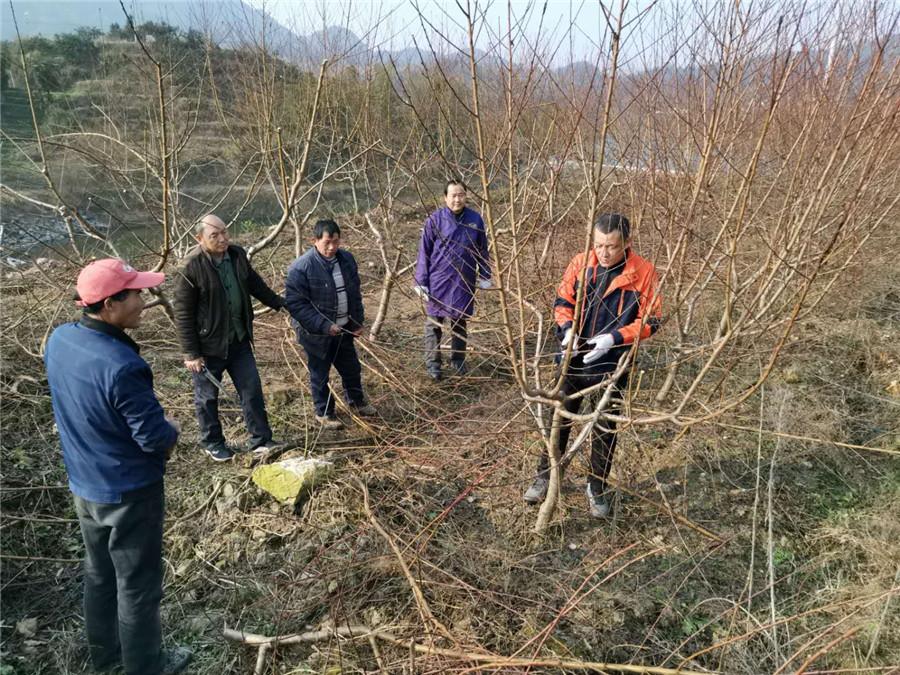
[(729, 550)]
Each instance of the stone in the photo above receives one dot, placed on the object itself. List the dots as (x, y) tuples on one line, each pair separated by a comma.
[(199, 624), (27, 627), (290, 479)]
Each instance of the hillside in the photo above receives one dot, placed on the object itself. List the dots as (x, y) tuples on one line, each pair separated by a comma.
[(227, 22)]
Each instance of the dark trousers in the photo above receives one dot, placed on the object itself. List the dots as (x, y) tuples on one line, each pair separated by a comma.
[(339, 352), (123, 576), (241, 367), (603, 441), (434, 330)]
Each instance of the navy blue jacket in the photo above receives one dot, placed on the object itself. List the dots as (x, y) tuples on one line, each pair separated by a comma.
[(311, 297), (112, 429)]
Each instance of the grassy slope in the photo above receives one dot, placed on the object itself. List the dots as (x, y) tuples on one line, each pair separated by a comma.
[(445, 467)]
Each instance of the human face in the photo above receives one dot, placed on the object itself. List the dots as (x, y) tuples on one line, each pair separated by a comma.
[(124, 313), (328, 244), (609, 247), (455, 199), (214, 239)]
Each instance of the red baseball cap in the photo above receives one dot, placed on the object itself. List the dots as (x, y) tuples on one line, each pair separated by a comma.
[(103, 278)]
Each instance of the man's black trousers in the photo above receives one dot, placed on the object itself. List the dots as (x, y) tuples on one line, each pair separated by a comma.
[(123, 576), (603, 441), (240, 364), (339, 352)]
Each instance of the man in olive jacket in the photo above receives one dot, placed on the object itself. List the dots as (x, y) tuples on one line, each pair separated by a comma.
[(214, 320)]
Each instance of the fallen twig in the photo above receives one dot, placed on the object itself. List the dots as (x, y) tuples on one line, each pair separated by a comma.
[(485, 661), (424, 610)]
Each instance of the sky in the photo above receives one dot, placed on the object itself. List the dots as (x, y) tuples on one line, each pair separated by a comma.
[(396, 23)]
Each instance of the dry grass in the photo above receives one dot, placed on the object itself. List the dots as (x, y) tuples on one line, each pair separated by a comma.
[(445, 466)]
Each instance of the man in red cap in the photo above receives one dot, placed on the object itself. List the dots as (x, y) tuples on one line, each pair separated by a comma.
[(115, 441)]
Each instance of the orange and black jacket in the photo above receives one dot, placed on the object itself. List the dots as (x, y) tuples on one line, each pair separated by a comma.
[(622, 300)]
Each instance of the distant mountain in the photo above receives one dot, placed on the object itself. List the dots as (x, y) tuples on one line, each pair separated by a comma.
[(230, 23)]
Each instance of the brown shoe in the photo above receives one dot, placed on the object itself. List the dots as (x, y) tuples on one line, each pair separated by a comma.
[(329, 422), (365, 410)]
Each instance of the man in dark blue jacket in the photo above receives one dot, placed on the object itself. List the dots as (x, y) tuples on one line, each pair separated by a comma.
[(115, 441), (322, 294)]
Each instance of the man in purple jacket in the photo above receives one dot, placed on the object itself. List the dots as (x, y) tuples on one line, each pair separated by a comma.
[(453, 253)]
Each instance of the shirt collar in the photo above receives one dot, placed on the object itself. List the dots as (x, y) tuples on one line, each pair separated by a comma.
[(225, 258), (456, 216), (209, 257), (109, 329)]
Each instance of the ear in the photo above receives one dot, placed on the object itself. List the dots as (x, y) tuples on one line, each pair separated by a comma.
[(106, 308)]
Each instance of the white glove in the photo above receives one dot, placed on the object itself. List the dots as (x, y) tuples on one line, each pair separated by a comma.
[(485, 284), (601, 344), (567, 338), (422, 292)]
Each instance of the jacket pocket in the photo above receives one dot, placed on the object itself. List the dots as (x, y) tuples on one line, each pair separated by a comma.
[(203, 322)]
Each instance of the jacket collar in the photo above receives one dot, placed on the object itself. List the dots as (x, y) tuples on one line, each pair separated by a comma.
[(328, 262), (313, 252), (204, 254), (109, 329), (629, 272), (457, 217)]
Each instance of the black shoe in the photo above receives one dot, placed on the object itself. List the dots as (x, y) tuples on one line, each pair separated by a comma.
[(460, 367), (175, 660), (538, 490), (219, 452), (598, 502), (435, 374)]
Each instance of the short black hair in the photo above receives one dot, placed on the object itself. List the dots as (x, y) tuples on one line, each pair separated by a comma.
[(454, 181), (95, 307), (326, 226), (614, 222)]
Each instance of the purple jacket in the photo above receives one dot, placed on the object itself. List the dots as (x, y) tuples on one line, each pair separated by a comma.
[(453, 252)]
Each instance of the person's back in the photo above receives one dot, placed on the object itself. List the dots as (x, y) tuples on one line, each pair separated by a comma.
[(92, 375)]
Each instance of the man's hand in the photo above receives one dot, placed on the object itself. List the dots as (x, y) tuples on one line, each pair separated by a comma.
[(601, 344), (195, 365), (485, 284), (422, 292), (177, 426), (334, 329), (567, 337), (175, 423)]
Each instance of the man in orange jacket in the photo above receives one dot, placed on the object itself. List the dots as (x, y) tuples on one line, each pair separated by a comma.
[(620, 306)]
